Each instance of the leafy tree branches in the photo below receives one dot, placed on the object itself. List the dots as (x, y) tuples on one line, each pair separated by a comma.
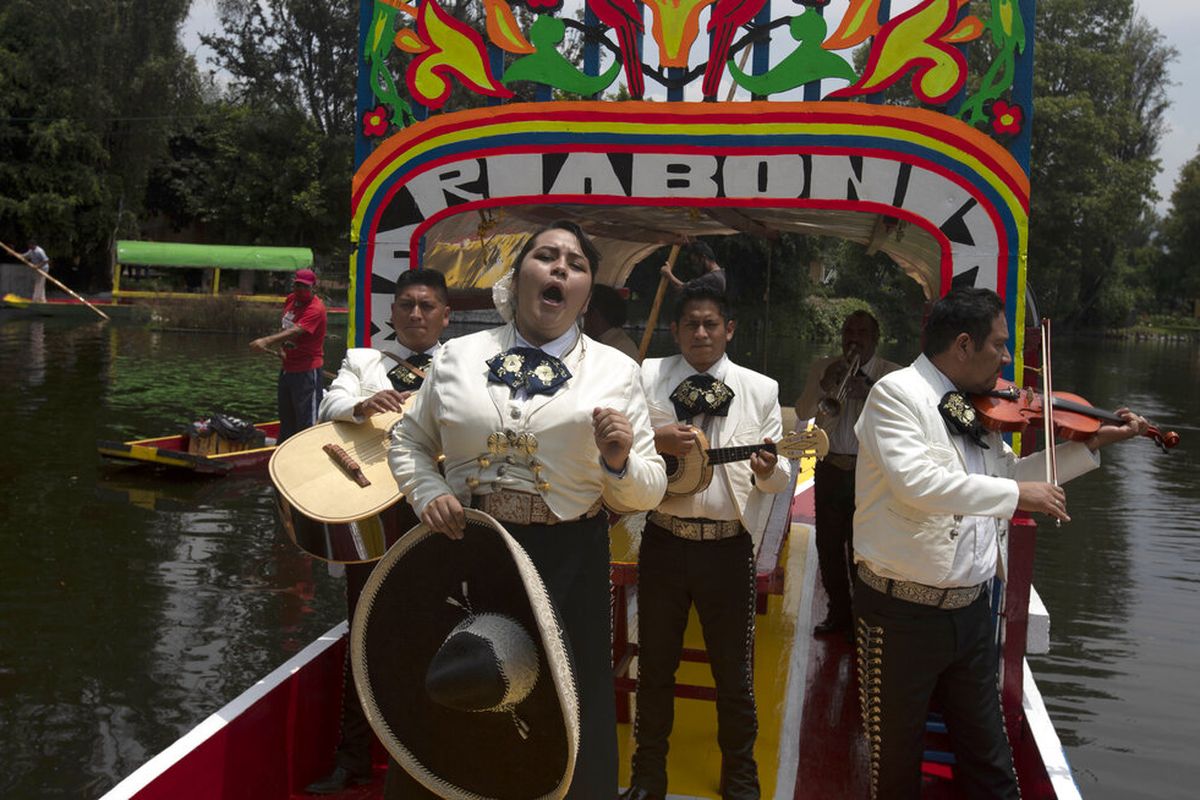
[(1100, 89), (292, 55), (1178, 279), (90, 89)]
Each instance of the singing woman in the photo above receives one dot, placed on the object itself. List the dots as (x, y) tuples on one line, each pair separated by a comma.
[(538, 424)]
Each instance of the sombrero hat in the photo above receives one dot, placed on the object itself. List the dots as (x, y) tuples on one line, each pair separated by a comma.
[(463, 668)]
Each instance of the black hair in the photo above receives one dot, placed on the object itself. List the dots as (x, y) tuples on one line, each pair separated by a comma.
[(703, 250), (965, 310), (423, 277), (608, 303), (697, 293), (590, 252), (862, 312)]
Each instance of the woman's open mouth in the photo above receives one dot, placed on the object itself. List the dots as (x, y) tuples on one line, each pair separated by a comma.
[(553, 295)]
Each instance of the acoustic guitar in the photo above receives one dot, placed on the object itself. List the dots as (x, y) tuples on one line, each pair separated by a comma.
[(691, 473), (337, 472)]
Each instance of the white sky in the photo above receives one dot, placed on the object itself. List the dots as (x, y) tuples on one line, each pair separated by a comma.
[(1177, 20)]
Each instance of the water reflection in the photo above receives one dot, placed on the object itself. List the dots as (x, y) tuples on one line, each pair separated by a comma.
[(1120, 583), (134, 605), (126, 623)]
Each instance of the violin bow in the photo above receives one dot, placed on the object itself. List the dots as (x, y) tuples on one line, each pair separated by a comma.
[(1048, 412)]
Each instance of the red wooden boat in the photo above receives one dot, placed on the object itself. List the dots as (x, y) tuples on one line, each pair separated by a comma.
[(280, 734), (939, 183), (171, 452)]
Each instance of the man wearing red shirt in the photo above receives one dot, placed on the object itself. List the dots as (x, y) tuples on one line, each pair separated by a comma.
[(302, 337)]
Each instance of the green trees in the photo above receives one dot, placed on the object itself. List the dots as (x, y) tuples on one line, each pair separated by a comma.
[(248, 176), (107, 128), (270, 160), (1177, 280), (1100, 99), (89, 92), (291, 55)]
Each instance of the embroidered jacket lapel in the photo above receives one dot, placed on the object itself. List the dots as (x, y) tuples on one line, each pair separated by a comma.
[(499, 392), (724, 427), (721, 428), (930, 397)]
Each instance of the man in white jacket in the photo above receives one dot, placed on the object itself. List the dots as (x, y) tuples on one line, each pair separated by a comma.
[(700, 548), (833, 493), (934, 493), (371, 381)]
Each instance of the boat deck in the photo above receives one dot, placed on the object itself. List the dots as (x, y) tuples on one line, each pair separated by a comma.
[(806, 694), (280, 735)]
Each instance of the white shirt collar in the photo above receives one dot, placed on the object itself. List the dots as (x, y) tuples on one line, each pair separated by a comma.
[(718, 370), (947, 385), (558, 347), (405, 352)]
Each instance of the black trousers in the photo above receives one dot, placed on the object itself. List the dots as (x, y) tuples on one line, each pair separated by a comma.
[(718, 577), (299, 396), (833, 497), (909, 654), (573, 560), (354, 747)]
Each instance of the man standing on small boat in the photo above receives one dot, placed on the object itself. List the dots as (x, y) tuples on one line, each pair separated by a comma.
[(934, 495), (302, 338), (37, 256), (711, 274), (836, 399), (370, 382), (700, 548)]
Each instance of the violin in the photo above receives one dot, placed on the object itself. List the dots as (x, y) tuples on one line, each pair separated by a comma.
[(1010, 408)]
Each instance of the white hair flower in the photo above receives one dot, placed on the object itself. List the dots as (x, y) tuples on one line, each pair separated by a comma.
[(503, 296)]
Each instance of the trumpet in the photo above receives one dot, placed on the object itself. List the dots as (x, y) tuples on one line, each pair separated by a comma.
[(831, 405)]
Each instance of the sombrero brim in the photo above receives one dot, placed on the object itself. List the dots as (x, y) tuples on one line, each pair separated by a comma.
[(404, 615)]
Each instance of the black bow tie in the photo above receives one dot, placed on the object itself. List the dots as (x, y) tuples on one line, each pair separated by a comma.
[(701, 394), (403, 378), (528, 368), (961, 418)]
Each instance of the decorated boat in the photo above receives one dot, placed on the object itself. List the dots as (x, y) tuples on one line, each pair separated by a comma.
[(142, 270), (199, 451), (767, 129), (149, 273)]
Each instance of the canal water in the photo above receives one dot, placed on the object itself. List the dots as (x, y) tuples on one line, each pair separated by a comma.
[(132, 605)]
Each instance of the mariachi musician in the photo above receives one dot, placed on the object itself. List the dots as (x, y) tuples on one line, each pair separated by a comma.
[(934, 494), (538, 423), (370, 382), (700, 548), (835, 395)]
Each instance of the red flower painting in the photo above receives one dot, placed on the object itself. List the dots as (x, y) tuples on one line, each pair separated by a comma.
[(1007, 118), (377, 121), (540, 6)]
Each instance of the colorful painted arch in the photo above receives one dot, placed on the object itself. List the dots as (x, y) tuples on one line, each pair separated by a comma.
[(959, 188)]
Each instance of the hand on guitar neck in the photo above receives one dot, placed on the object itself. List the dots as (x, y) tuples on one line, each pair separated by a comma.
[(690, 461), (679, 440)]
